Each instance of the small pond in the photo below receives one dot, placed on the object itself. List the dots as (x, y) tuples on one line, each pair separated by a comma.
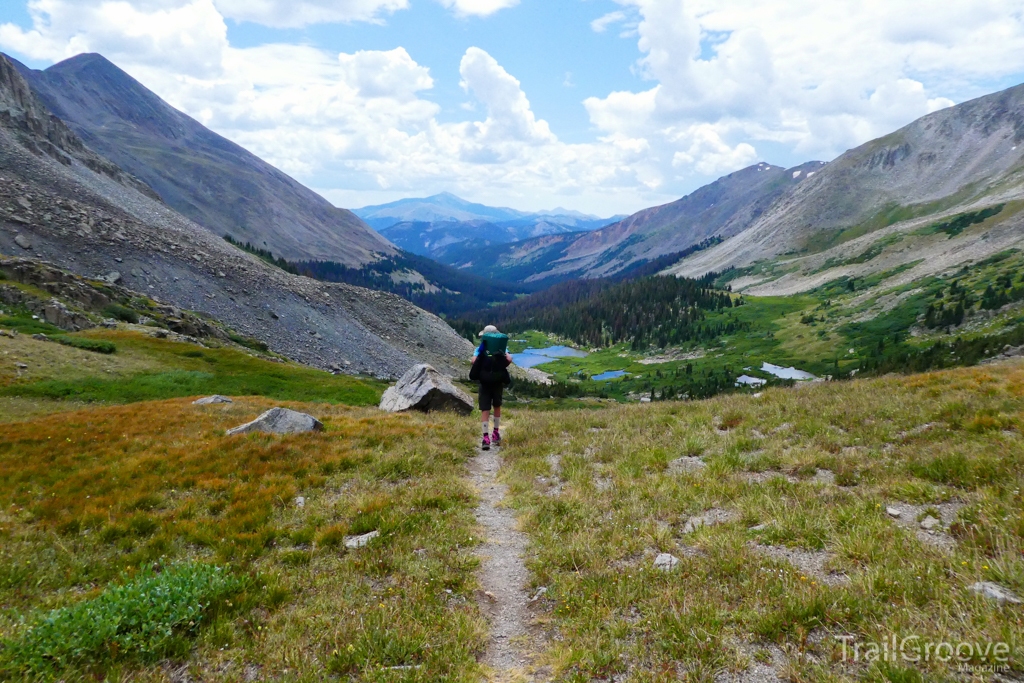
[(530, 358), (610, 374), (786, 373)]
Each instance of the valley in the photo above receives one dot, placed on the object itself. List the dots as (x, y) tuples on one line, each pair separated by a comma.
[(748, 430)]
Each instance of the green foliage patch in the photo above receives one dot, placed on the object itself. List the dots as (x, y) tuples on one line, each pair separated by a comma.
[(122, 313), (84, 343), (142, 618)]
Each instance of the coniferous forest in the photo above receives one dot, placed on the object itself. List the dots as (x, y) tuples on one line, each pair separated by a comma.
[(651, 310)]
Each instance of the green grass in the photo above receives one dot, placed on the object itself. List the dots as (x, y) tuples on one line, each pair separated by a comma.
[(25, 323), (193, 370)]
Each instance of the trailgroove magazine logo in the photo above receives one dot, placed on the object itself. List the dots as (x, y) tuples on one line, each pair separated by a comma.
[(968, 656)]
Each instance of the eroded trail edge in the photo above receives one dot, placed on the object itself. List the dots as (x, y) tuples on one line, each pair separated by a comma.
[(504, 578)]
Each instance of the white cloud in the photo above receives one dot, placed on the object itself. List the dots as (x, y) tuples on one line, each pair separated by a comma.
[(724, 80), (601, 24), (479, 8), (295, 13)]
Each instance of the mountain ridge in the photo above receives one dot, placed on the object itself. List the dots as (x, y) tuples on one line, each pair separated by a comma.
[(211, 180)]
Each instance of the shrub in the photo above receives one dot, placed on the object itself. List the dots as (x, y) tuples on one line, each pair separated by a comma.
[(141, 618), (85, 344), (122, 313)]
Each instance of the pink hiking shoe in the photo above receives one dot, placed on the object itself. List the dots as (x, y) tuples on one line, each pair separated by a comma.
[(486, 445), (496, 438)]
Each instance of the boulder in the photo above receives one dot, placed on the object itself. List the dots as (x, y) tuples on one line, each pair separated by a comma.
[(424, 388), (22, 241), (280, 421), (209, 400)]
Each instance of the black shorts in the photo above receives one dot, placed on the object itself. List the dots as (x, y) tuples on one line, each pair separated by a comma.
[(490, 395)]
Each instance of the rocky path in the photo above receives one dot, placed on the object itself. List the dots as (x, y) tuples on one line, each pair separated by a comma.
[(504, 578)]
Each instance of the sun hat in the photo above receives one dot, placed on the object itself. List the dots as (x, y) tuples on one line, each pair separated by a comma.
[(487, 330)]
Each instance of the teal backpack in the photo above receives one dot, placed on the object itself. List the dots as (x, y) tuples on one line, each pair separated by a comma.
[(495, 344)]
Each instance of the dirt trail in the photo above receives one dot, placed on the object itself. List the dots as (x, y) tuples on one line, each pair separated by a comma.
[(503, 576)]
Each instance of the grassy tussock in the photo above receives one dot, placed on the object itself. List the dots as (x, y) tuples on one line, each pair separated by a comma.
[(94, 495), (807, 471)]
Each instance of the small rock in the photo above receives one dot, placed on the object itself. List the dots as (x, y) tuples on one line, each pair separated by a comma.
[(209, 400), (112, 278), (994, 591), (280, 421), (360, 541), (892, 512), (686, 464), (220, 273), (758, 527), (490, 596), (21, 366), (666, 562), (929, 523), (24, 203), (22, 241), (300, 502), (539, 594), (121, 260)]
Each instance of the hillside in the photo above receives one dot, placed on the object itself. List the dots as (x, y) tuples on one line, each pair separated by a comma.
[(201, 175), (56, 208), (723, 208), (869, 211)]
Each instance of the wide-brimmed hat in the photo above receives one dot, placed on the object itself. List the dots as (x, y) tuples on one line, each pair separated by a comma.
[(487, 330)]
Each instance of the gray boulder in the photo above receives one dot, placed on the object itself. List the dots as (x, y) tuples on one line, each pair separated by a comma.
[(665, 562), (22, 241), (210, 400), (993, 591), (280, 421), (424, 388)]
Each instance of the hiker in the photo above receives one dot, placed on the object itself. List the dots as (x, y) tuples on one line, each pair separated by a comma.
[(490, 368)]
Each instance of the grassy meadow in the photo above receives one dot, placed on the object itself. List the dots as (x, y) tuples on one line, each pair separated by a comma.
[(138, 542), (111, 515), (777, 508)]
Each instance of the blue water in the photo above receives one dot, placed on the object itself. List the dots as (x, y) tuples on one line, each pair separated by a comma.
[(610, 374), (531, 358)]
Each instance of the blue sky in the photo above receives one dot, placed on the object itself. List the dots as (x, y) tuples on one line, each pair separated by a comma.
[(604, 106)]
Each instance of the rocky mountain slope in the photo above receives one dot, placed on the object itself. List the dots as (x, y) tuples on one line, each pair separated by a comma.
[(200, 174), (55, 207), (443, 224), (720, 209), (956, 160)]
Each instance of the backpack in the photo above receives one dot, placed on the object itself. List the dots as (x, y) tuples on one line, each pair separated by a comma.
[(495, 344)]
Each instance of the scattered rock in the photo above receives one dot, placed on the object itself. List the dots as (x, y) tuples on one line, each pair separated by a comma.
[(541, 592), (209, 400), (892, 512), (686, 464), (280, 421), (112, 278), (809, 562), (24, 203), (929, 523), (709, 518), (360, 541), (994, 591), (21, 366), (424, 388), (665, 562), (22, 241), (931, 534), (300, 502), (827, 477)]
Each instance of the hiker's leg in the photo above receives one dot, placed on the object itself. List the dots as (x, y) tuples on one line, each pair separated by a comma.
[(485, 417), (496, 399)]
